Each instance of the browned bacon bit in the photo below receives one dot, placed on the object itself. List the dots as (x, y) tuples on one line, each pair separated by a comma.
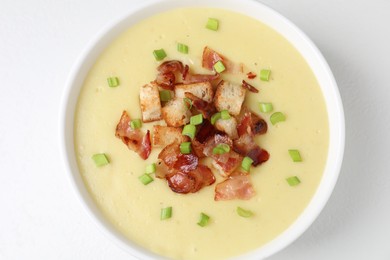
[(259, 125), (189, 78), (207, 109), (251, 75), (213, 141), (198, 147), (133, 138), (171, 66), (237, 186), (210, 57), (173, 159), (205, 130), (246, 146), (251, 123), (166, 80), (191, 181), (249, 87)]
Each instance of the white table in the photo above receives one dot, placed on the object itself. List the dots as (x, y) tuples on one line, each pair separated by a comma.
[(40, 41)]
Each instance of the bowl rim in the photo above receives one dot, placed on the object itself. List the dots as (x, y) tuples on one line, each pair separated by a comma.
[(250, 8)]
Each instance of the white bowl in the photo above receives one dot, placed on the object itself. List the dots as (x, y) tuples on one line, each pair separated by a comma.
[(250, 8)]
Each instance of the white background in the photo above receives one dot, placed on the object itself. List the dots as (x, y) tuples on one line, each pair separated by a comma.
[(40, 217)]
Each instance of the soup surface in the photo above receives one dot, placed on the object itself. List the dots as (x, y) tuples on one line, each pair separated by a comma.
[(133, 208)]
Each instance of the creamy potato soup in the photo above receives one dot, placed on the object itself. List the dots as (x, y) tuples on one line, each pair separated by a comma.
[(134, 208)]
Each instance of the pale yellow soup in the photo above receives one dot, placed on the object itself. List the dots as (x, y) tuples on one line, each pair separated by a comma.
[(133, 208)]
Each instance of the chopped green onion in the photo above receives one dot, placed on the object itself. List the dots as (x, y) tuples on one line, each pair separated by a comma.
[(219, 67), (182, 48), (189, 130), (185, 148), (165, 95), (188, 103), (215, 117), (196, 120), (293, 181), (225, 114), (151, 168), (244, 213), (212, 24), (295, 155), (246, 163), (277, 117), (204, 220), (136, 123), (264, 75), (159, 54), (113, 82), (145, 178), (221, 149), (266, 107), (166, 213), (100, 159)]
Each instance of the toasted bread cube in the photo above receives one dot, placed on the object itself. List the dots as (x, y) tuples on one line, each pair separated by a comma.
[(202, 90), (165, 135), (229, 97), (229, 126), (149, 97), (175, 113)]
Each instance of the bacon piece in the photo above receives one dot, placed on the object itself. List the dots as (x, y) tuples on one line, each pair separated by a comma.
[(249, 87), (171, 66), (173, 159), (246, 146), (133, 138), (207, 109), (166, 77), (210, 57), (251, 75), (237, 186), (205, 130), (251, 123), (166, 80), (192, 181), (189, 78)]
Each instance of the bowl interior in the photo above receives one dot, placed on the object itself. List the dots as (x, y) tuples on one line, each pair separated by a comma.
[(250, 8)]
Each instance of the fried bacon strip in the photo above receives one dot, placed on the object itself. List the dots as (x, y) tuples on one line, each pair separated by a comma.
[(207, 109), (249, 87), (166, 77), (189, 78), (237, 186), (186, 182), (251, 75), (133, 138), (210, 57), (251, 123), (175, 160)]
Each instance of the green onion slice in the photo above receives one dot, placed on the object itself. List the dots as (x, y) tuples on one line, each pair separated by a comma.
[(246, 163), (212, 24), (196, 120), (221, 149), (244, 213), (277, 117), (182, 48), (100, 159), (189, 130), (295, 155), (215, 117), (219, 66), (145, 178), (266, 107), (159, 54), (204, 220), (187, 103), (165, 95), (113, 82), (151, 168), (136, 123), (264, 75), (225, 114), (185, 148), (293, 181), (166, 213)]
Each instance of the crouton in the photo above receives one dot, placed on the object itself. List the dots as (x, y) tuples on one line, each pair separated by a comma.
[(229, 126), (229, 97), (165, 135), (175, 113), (202, 90), (149, 97)]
